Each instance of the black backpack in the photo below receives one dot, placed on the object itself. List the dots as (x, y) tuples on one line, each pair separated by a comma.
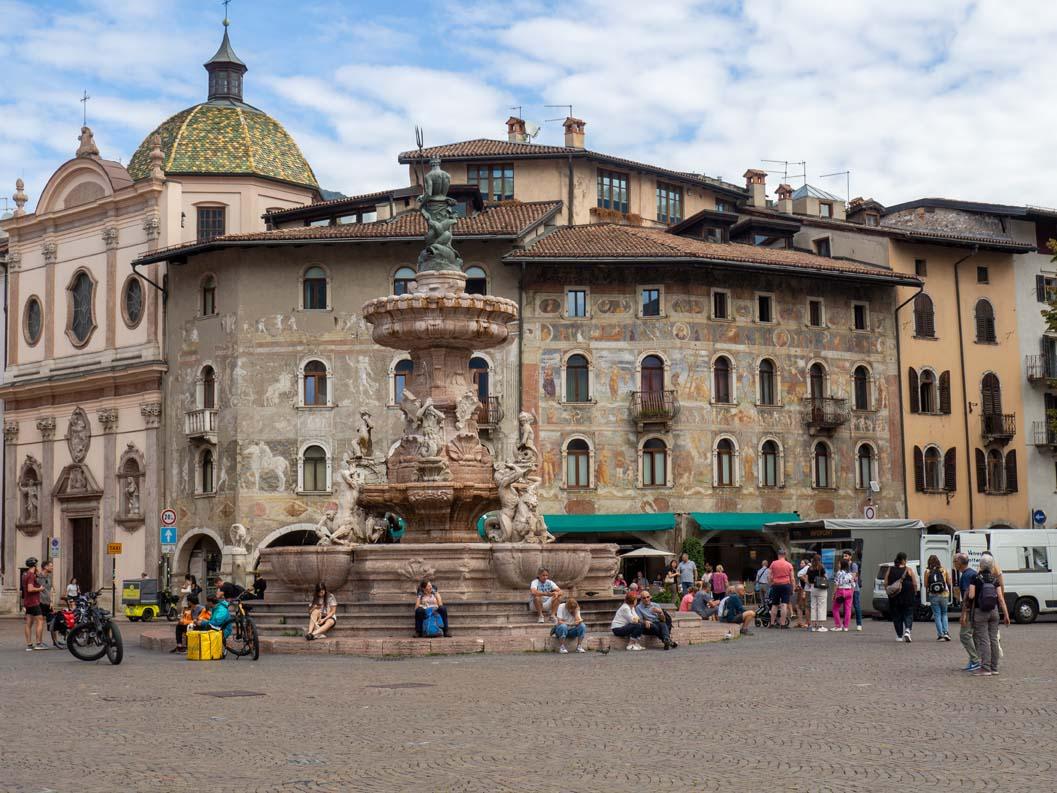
[(987, 596), (937, 583)]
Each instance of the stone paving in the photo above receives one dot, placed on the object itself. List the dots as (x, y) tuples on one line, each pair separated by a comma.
[(782, 710)]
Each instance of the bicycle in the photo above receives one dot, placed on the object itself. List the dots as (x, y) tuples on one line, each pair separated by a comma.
[(95, 634), (243, 639)]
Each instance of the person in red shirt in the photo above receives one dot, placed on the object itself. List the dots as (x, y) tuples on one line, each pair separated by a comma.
[(31, 601), (781, 590)]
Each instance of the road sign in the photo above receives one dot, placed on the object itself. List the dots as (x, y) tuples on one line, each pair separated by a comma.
[(113, 549), (1039, 517), (53, 547), (168, 517), (869, 512), (168, 535)]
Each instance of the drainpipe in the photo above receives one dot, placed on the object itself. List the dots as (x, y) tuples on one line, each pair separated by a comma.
[(902, 412), (965, 387), (569, 213)]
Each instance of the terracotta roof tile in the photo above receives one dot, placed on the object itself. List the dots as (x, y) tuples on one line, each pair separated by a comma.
[(485, 147), (606, 241), (496, 220)]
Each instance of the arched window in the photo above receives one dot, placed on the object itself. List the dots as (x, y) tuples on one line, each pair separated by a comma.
[(209, 296), (652, 374), (654, 463), (401, 377), (927, 391), (315, 375), (403, 281), (822, 466), (721, 381), (476, 281), (577, 379), (767, 382), (577, 464), (861, 387), (209, 388), (933, 469), (314, 290), (865, 466), (314, 470), (985, 323), (817, 381), (924, 317), (82, 320), (770, 464), (990, 395), (724, 462), (206, 472), (479, 375)]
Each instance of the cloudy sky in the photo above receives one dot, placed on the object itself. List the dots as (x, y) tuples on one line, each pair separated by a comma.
[(945, 97)]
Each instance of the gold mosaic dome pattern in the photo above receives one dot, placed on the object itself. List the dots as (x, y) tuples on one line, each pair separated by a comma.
[(225, 138)]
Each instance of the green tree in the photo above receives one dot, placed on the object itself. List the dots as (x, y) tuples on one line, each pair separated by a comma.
[(693, 548)]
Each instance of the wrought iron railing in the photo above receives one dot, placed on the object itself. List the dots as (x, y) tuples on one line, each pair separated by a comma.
[(826, 413), (998, 426), (1043, 433), (654, 407), (490, 413), (1040, 367)]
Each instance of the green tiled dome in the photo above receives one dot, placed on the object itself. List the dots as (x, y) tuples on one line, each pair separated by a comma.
[(228, 138)]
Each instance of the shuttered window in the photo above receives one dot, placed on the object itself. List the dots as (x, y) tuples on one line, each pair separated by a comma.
[(919, 470), (1011, 471), (950, 470), (915, 397), (985, 323), (990, 395), (981, 471), (945, 393), (924, 317)]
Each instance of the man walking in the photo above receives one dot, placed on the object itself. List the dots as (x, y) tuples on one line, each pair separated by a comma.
[(965, 632), (687, 573), (856, 602), (781, 590), (31, 602)]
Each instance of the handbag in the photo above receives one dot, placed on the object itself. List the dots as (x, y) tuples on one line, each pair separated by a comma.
[(895, 587), (821, 582)]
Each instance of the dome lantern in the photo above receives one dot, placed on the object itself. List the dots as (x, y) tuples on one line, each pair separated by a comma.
[(225, 71)]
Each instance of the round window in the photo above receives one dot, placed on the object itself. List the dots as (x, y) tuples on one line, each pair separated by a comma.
[(34, 320), (133, 302)]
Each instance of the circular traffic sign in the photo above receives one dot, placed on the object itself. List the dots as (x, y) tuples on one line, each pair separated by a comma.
[(1038, 516), (870, 512), (168, 517)]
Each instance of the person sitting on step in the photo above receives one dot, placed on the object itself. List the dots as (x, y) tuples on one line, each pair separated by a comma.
[(655, 620), (545, 594), (570, 625), (429, 598), (734, 610), (627, 624), (322, 613)]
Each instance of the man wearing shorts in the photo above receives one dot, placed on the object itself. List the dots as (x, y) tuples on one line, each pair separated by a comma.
[(545, 594), (781, 590), (31, 601)]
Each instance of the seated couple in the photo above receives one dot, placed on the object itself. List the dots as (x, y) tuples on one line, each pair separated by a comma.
[(638, 616)]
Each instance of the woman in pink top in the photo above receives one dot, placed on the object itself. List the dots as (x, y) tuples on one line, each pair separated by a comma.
[(688, 598), (719, 582)]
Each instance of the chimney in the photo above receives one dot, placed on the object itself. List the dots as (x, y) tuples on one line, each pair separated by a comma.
[(515, 130), (574, 132), (756, 184), (785, 199)]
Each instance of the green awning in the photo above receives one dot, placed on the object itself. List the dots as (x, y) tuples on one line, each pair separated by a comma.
[(610, 524), (739, 521)]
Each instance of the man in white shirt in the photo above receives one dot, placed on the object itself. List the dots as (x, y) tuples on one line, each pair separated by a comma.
[(545, 594)]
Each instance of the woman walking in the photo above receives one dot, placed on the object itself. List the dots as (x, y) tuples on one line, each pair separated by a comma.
[(901, 586), (843, 596), (719, 583), (987, 596), (938, 587), (817, 588)]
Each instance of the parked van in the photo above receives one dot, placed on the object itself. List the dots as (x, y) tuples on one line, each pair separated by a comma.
[(1026, 558)]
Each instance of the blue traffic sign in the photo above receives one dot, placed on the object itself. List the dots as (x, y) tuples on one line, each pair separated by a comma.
[(1039, 517), (168, 535)]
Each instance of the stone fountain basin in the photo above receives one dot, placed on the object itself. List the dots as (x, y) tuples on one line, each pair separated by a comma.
[(516, 564), (418, 320), (301, 567)]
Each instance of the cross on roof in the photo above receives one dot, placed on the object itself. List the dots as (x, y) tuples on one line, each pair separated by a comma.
[(84, 103), (226, 4)]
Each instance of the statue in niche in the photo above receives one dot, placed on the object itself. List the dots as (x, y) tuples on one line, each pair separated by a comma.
[(30, 489), (131, 496), (364, 445), (438, 210)]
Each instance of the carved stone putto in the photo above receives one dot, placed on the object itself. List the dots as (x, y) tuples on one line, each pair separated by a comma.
[(46, 427), (110, 236), (78, 435), (107, 419)]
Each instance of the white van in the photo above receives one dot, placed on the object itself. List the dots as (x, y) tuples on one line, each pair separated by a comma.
[(939, 545)]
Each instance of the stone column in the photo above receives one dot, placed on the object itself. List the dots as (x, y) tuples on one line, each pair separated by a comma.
[(108, 423), (9, 596), (46, 427), (152, 489), (152, 228), (110, 240), (14, 309)]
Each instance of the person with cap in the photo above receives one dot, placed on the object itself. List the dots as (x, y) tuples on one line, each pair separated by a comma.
[(31, 590), (781, 590)]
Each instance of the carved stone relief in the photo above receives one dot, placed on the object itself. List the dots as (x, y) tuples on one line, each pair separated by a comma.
[(78, 435)]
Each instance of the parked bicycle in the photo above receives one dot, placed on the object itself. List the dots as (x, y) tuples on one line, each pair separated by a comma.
[(243, 639), (94, 633)]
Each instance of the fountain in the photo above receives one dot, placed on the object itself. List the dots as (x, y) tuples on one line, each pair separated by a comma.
[(439, 479)]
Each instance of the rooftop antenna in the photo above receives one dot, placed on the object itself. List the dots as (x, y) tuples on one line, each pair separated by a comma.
[(786, 176), (567, 107), (519, 110), (84, 103), (847, 175)]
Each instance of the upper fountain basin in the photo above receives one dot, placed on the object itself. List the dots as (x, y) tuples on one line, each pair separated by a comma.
[(410, 321)]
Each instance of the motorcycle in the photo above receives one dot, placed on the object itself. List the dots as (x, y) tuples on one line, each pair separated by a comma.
[(94, 633), (60, 623)]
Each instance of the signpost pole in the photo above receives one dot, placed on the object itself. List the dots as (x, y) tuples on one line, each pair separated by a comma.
[(113, 586)]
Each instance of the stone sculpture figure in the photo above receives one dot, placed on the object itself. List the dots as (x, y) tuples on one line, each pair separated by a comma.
[(348, 493), (364, 445), (466, 413), (87, 147), (410, 405), (30, 489), (239, 536), (78, 435), (437, 209), (507, 476), (526, 439), (131, 496), (431, 421), (325, 528), (77, 481), (528, 524)]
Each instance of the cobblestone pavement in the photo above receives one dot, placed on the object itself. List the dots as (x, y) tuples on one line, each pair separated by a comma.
[(780, 711)]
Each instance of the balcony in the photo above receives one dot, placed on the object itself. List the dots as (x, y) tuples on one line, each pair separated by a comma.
[(489, 414), (825, 414), (998, 427), (654, 408), (1044, 435), (1040, 368), (201, 424)]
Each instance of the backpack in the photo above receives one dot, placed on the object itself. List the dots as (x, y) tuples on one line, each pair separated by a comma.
[(987, 597), (432, 625), (893, 589), (821, 581), (937, 583)]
